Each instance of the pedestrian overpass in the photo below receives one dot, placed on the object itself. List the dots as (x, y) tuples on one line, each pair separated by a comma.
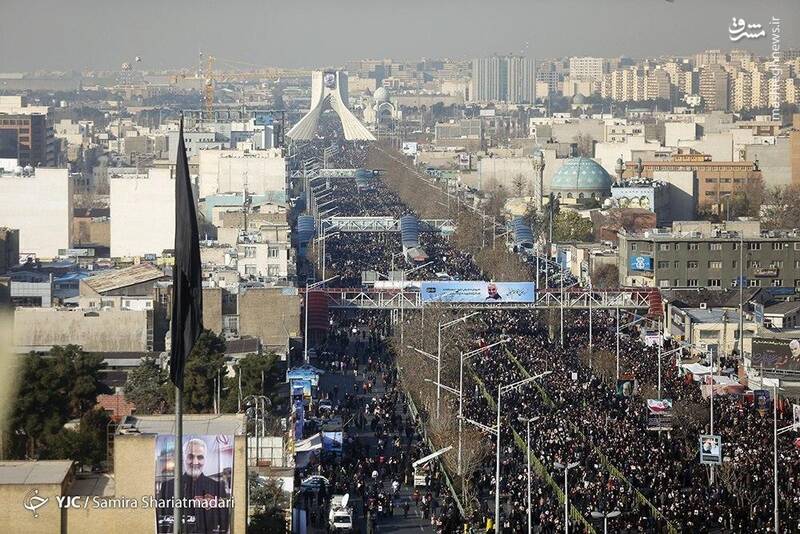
[(574, 298), (383, 224)]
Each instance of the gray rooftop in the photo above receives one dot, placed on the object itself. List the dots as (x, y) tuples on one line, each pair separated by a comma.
[(34, 471), (782, 308), (199, 424), (712, 315)]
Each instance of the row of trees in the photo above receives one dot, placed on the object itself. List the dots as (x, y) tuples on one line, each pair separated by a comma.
[(775, 206), (54, 389), (63, 385), (149, 388)]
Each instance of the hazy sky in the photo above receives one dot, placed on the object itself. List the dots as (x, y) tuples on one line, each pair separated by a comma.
[(102, 34)]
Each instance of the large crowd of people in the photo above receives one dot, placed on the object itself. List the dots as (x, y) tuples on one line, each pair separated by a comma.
[(653, 478)]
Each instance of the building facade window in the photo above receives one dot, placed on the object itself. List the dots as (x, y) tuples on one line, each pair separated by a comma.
[(249, 252), (715, 246), (663, 265), (715, 265), (663, 246), (714, 282), (691, 265), (692, 282), (272, 253), (694, 246)]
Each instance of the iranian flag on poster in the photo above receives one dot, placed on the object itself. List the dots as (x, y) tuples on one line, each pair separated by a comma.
[(659, 406)]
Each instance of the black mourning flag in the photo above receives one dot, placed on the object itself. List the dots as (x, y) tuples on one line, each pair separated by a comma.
[(187, 285)]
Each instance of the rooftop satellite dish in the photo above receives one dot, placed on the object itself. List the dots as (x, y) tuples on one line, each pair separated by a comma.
[(138, 59), (345, 500)]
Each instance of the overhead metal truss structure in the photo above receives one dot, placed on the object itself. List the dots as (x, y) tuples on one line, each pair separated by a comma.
[(381, 224), (574, 298)]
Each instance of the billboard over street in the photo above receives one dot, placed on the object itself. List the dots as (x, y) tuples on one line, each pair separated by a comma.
[(772, 354), (478, 291)]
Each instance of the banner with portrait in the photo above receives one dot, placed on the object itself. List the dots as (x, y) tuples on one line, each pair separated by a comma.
[(761, 400), (626, 386), (659, 414), (773, 353), (478, 291), (207, 479), (710, 450)]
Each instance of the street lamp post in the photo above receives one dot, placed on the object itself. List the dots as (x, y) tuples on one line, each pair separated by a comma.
[(561, 326), (403, 299), (605, 517), (528, 453), (441, 327), (590, 323), (464, 356), (561, 322), (617, 336), (566, 467), (325, 236), (500, 390), (776, 432)]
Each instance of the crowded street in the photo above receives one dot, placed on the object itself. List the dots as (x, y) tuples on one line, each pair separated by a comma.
[(642, 480)]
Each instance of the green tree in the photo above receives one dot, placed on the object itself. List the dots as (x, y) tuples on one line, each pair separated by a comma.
[(148, 388), (205, 364), (780, 210), (270, 501), (569, 226), (54, 388), (252, 368), (88, 445)]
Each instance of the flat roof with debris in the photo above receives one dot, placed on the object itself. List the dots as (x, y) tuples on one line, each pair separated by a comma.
[(199, 424), (119, 278)]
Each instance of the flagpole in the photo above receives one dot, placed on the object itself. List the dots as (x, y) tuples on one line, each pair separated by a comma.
[(178, 469), (186, 323)]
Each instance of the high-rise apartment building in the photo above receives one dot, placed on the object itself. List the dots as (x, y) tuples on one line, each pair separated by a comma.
[(715, 87), (586, 68), (658, 85), (710, 57), (509, 79)]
